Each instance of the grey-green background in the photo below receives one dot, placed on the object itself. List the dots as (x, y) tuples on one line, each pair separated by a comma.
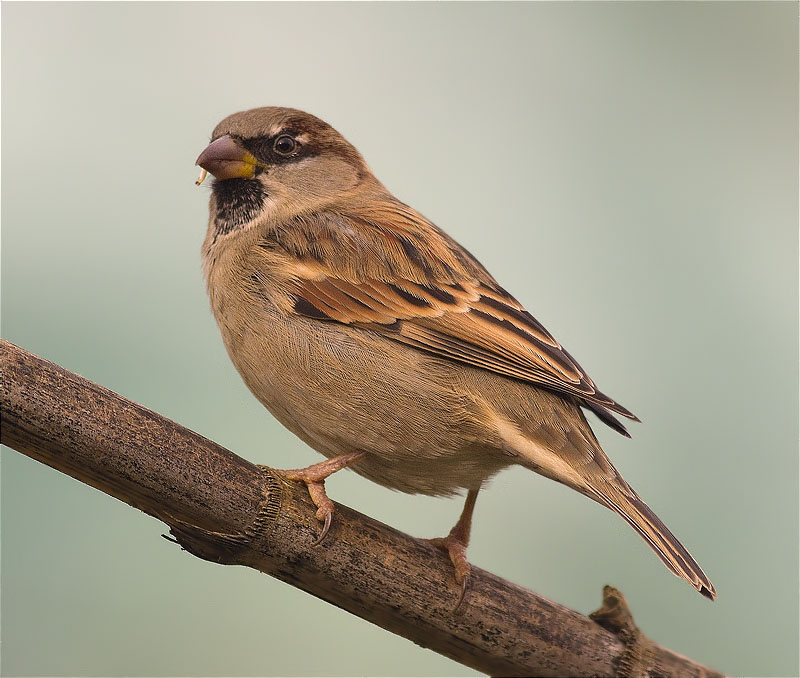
[(628, 171)]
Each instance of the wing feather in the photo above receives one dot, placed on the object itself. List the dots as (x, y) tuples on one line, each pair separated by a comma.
[(431, 294)]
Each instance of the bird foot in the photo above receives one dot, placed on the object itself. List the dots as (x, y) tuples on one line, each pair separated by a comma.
[(314, 478), (457, 550), (455, 545)]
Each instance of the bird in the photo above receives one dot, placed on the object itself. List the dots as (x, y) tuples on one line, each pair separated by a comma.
[(383, 344)]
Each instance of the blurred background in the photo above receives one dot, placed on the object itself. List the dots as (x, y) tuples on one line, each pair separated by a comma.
[(627, 170)]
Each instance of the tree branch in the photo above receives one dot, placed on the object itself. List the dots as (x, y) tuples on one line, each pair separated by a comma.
[(223, 508)]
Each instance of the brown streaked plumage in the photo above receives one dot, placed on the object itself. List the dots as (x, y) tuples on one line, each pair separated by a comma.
[(385, 345)]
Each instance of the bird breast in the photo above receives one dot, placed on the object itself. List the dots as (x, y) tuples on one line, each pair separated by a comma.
[(342, 389)]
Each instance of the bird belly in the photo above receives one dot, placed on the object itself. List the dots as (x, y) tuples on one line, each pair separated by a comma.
[(342, 389)]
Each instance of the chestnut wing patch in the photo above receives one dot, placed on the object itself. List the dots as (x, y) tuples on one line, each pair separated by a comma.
[(475, 324)]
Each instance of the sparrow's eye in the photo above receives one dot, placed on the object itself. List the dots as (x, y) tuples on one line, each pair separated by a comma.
[(285, 145)]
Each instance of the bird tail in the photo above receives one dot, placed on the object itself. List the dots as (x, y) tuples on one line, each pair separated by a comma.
[(667, 547)]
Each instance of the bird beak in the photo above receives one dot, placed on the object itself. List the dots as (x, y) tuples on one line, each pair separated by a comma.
[(226, 159)]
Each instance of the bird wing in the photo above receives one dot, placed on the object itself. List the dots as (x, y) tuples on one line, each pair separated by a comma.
[(428, 292)]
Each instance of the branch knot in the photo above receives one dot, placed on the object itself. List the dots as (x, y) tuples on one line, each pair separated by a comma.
[(639, 659)]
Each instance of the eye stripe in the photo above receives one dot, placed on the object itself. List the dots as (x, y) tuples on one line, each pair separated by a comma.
[(263, 148)]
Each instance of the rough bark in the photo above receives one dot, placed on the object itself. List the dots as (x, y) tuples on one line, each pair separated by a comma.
[(223, 508)]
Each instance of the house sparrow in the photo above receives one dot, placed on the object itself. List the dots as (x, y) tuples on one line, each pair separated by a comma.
[(382, 343)]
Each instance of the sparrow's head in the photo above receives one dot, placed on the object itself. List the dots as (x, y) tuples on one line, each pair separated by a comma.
[(275, 163)]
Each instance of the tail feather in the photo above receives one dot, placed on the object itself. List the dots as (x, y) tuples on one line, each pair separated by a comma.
[(666, 546)]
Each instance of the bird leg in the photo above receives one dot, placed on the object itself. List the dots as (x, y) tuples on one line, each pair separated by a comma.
[(455, 544), (314, 477)]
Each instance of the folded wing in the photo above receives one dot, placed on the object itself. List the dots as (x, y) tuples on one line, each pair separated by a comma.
[(430, 293)]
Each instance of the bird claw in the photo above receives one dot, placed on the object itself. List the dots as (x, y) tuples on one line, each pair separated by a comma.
[(455, 546), (457, 551), (314, 479), (325, 527), (458, 609)]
